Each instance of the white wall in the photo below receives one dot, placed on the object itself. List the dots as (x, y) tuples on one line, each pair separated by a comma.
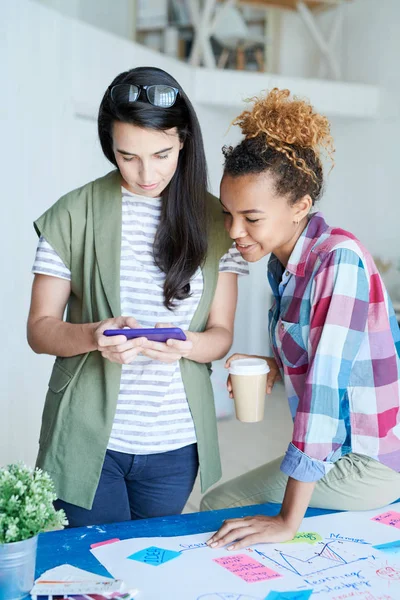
[(55, 67), (373, 52), (120, 20), (366, 199)]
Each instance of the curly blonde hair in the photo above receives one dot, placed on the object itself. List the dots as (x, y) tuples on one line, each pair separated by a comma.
[(282, 132), (287, 123)]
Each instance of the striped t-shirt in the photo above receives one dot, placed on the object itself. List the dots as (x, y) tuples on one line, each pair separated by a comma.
[(152, 412)]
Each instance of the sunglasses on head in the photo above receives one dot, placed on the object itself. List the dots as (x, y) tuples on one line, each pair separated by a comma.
[(163, 96)]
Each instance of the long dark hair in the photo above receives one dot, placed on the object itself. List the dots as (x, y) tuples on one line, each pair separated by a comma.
[(180, 243)]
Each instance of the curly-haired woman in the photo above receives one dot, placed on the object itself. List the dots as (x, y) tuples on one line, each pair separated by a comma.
[(332, 329)]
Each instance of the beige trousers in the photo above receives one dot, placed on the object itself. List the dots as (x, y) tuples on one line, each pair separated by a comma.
[(356, 482)]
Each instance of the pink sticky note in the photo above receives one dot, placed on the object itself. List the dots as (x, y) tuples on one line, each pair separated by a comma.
[(105, 542), (246, 568), (388, 518)]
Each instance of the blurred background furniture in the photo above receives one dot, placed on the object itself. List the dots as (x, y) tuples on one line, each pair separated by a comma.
[(204, 17), (231, 31), (240, 37)]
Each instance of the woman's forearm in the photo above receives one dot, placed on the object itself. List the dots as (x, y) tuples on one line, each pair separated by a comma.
[(296, 501), (49, 335), (212, 344)]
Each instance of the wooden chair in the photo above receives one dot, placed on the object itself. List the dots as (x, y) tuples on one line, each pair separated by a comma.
[(230, 30)]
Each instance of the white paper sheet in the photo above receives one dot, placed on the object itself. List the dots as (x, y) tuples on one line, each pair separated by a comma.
[(68, 573), (67, 579), (338, 563)]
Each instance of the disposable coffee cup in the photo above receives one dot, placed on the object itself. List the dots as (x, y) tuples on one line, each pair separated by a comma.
[(249, 384)]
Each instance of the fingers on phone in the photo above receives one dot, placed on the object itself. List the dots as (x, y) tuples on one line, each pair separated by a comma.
[(131, 323), (115, 340)]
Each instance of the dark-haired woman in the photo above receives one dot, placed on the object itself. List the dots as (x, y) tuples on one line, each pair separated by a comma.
[(332, 329), (126, 423)]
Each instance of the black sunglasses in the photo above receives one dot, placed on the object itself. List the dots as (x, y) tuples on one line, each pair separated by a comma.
[(163, 96)]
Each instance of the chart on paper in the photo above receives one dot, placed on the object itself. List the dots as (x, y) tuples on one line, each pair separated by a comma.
[(344, 556)]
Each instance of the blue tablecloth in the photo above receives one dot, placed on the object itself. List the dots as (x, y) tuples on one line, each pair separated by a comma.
[(72, 546)]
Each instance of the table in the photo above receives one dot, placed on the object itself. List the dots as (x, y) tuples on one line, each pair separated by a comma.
[(72, 546)]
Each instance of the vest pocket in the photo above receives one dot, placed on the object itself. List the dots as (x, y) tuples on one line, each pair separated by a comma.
[(58, 382), (293, 351), (59, 378)]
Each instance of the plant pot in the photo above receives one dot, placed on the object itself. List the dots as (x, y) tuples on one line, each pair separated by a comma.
[(17, 568)]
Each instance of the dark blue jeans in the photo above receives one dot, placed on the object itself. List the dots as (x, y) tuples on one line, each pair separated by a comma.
[(138, 486)]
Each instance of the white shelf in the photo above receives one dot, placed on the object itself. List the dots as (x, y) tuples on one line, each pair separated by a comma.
[(229, 89), (226, 88)]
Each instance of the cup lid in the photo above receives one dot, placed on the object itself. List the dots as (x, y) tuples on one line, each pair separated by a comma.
[(248, 366)]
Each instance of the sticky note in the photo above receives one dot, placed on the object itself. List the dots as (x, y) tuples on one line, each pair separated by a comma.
[(295, 595), (246, 568), (105, 542), (305, 537), (154, 556), (388, 518), (389, 548)]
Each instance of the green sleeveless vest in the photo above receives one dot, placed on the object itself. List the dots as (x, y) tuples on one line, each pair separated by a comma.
[(84, 228)]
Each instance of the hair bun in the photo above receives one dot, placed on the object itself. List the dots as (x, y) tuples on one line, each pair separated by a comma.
[(286, 122)]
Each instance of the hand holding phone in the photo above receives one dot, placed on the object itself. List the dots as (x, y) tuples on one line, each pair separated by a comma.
[(156, 334), (117, 349)]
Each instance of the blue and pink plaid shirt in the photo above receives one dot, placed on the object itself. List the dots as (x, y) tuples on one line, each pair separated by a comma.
[(335, 337)]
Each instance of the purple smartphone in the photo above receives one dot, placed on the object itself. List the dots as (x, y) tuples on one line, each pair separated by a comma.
[(158, 334)]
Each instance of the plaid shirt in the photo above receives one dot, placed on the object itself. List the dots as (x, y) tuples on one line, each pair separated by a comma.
[(335, 337)]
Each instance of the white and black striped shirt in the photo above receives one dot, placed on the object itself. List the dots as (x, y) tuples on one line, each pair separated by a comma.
[(152, 412)]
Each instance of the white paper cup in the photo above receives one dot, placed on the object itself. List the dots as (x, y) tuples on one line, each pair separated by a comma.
[(249, 384)]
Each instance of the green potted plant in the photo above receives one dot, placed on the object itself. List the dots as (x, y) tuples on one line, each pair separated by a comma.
[(26, 509)]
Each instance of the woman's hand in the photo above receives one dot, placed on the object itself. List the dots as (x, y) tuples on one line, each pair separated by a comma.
[(273, 375), (251, 530), (261, 529), (171, 350), (118, 348)]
